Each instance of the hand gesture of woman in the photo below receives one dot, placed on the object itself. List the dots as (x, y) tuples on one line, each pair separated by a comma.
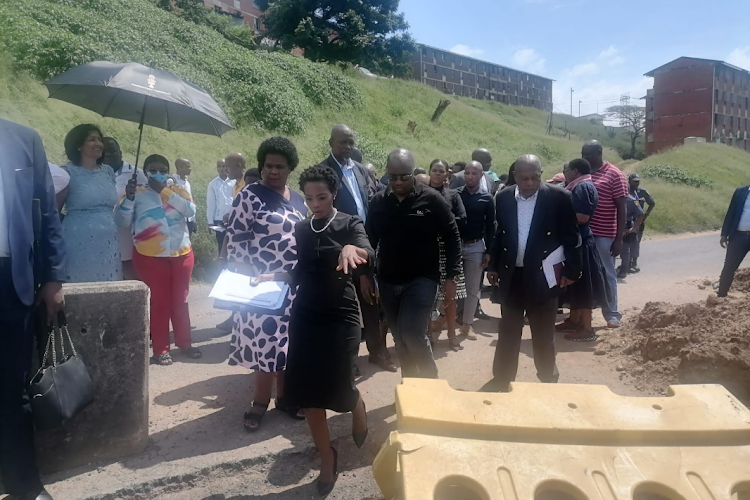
[(351, 257)]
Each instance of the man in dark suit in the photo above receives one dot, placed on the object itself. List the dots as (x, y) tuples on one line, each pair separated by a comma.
[(486, 185), (31, 272), (535, 219), (735, 237), (353, 198)]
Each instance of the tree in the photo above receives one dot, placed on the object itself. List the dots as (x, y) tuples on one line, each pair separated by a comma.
[(371, 33), (632, 118)]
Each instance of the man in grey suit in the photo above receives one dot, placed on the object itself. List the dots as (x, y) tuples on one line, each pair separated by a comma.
[(32, 269), (487, 185)]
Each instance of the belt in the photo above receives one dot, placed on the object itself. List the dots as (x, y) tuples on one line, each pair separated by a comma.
[(471, 242), (743, 232)]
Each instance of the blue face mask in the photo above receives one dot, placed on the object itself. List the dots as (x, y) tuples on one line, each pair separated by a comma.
[(158, 176)]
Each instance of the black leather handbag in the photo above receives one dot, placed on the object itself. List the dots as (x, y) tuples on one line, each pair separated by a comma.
[(61, 388)]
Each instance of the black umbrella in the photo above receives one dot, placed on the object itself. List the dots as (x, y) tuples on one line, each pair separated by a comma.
[(143, 95)]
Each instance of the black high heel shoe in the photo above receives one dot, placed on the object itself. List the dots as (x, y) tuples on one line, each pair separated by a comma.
[(325, 488), (360, 437)]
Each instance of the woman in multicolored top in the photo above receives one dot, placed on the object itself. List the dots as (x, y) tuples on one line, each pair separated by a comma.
[(163, 255)]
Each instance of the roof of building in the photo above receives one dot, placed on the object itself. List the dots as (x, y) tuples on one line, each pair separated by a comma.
[(485, 62), (712, 61)]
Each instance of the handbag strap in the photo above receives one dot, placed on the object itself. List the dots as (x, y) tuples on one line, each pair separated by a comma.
[(62, 322), (50, 343)]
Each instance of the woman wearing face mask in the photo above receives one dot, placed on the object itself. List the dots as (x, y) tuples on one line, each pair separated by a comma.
[(163, 256), (438, 177), (332, 248), (260, 240), (90, 230)]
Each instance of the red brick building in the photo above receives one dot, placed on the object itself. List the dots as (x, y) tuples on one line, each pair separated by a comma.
[(462, 75), (243, 10), (695, 97)]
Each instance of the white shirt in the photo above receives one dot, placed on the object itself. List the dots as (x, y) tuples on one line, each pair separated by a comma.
[(483, 184), (745, 218), (125, 234), (185, 184), (351, 180), (526, 207), (4, 230), (219, 198), (60, 178)]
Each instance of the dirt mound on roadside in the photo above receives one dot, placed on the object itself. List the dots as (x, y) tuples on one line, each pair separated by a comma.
[(700, 343)]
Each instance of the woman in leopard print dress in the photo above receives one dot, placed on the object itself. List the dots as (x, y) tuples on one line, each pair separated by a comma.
[(261, 241)]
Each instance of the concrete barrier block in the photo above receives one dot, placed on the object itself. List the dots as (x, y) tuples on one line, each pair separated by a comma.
[(564, 442), (109, 325)]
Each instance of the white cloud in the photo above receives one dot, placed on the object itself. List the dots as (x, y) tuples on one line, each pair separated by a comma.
[(740, 57), (583, 69), (598, 92), (611, 56), (529, 60), (609, 52), (465, 50)]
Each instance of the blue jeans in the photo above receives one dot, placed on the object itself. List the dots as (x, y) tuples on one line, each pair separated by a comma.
[(609, 304), (407, 308)]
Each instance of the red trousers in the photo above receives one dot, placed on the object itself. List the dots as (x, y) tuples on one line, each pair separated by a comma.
[(169, 281)]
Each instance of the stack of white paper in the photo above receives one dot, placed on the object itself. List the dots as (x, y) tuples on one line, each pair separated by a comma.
[(548, 264), (235, 289)]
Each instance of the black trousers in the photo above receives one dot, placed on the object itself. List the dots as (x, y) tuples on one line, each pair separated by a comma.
[(739, 246), (542, 322), (371, 331), (17, 459), (219, 234)]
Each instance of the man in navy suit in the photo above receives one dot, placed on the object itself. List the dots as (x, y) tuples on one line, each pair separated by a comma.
[(535, 220), (353, 198), (735, 237), (32, 269)]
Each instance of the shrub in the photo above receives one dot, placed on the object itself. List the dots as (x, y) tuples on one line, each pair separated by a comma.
[(546, 151), (675, 175), (273, 91)]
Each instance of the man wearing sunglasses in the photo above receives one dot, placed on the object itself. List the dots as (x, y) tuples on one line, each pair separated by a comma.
[(403, 223)]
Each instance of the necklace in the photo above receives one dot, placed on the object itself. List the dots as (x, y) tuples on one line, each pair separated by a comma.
[(327, 223)]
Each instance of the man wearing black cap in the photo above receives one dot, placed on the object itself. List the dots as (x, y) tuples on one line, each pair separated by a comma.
[(644, 198)]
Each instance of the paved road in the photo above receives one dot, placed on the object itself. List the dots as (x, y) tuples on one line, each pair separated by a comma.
[(199, 450)]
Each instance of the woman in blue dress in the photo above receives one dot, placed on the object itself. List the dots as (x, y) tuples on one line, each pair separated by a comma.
[(90, 198)]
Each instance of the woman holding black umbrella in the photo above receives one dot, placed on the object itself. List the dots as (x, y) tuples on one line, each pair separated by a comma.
[(163, 255), (89, 225)]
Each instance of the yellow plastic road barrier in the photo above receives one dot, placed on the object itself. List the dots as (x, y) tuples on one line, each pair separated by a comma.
[(565, 442)]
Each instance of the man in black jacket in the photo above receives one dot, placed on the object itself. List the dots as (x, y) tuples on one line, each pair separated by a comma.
[(735, 237), (405, 221), (534, 220), (353, 198)]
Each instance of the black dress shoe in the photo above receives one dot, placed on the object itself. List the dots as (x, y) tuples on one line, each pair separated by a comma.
[(43, 495), (325, 488), (481, 314), (383, 362)]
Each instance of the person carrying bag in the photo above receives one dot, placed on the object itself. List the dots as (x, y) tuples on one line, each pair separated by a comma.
[(62, 387)]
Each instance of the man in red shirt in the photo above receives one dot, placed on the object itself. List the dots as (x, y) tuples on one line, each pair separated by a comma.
[(608, 222)]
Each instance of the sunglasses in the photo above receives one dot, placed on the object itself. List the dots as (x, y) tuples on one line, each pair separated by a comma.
[(399, 177)]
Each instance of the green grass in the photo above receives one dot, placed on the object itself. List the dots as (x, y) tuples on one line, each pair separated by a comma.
[(379, 110), (682, 208)]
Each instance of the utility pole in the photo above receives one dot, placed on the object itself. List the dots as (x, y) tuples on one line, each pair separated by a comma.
[(579, 108), (571, 101)]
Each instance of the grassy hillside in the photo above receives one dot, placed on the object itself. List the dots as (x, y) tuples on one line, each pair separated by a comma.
[(268, 94), (681, 208)]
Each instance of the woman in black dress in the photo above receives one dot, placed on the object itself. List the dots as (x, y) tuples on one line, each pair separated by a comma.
[(324, 331), (438, 176), (590, 291)]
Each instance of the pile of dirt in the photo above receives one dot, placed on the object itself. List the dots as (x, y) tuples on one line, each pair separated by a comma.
[(700, 343)]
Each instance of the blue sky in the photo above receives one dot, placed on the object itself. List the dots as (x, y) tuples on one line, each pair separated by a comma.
[(601, 48)]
